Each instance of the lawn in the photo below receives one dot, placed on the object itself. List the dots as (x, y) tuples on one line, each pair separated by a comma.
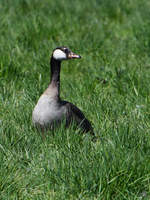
[(110, 84)]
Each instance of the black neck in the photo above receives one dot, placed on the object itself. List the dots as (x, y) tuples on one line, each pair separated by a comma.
[(55, 72)]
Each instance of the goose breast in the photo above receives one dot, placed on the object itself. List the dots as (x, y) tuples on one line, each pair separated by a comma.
[(47, 111)]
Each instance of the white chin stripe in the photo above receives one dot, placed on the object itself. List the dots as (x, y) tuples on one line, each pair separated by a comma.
[(59, 55)]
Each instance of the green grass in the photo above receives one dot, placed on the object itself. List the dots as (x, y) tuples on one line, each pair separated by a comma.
[(110, 84)]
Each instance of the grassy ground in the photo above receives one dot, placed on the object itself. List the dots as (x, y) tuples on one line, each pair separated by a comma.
[(110, 84)]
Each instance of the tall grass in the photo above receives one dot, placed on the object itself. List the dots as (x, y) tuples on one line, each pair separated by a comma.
[(110, 84)]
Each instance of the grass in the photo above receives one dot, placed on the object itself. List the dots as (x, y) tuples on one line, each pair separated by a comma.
[(110, 84)]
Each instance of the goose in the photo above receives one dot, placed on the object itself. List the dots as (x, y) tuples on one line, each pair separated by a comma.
[(50, 110)]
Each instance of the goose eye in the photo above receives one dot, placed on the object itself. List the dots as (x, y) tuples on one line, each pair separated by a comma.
[(66, 50)]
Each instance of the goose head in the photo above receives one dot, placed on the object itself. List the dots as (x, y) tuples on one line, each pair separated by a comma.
[(64, 53)]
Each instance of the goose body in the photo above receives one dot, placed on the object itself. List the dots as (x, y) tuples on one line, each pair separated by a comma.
[(50, 109)]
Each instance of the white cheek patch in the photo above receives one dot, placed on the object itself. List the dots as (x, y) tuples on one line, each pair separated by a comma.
[(59, 55)]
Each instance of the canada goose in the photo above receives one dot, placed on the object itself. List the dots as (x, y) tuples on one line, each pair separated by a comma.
[(50, 109)]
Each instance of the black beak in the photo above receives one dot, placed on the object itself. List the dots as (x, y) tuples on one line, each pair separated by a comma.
[(72, 55)]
